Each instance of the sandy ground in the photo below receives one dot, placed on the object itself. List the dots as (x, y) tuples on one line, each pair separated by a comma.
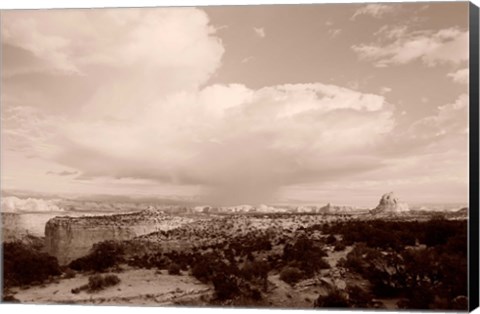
[(153, 288), (137, 287)]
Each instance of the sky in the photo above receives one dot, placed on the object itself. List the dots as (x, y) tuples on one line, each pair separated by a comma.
[(317, 103)]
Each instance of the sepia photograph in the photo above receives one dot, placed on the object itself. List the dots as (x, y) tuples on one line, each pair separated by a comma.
[(300, 156)]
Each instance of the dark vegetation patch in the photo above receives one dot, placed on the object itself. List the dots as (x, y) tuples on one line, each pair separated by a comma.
[(25, 265), (98, 282), (291, 275), (432, 276), (305, 255), (174, 269), (102, 256)]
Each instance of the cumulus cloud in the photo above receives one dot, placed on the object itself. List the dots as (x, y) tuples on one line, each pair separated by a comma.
[(460, 76), (235, 141), (397, 46), (12, 204), (142, 112), (374, 10), (152, 41)]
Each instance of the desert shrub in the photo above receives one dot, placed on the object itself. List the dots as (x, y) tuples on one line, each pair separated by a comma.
[(418, 297), (111, 280), (69, 273), (291, 275), (330, 239), (201, 270), (458, 244), (174, 269), (322, 264), (435, 277), (385, 271), (430, 278), (255, 294), (95, 282), (437, 231), (398, 234), (306, 255), (226, 286), (335, 299), (359, 298), (255, 269), (148, 261), (98, 282), (356, 259), (23, 265), (102, 256), (9, 298), (339, 246)]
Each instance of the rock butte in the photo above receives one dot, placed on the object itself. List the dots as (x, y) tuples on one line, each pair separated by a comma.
[(390, 204)]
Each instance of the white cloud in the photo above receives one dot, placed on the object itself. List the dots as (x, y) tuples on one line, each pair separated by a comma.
[(12, 204), (449, 123), (223, 136), (374, 10), (25, 33), (460, 76), (334, 32), (150, 40), (260, 32), (391, 32), (24, 129), (154, 120), (401, 47)]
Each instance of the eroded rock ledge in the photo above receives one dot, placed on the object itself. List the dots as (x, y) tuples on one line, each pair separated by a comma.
[(68, 238)]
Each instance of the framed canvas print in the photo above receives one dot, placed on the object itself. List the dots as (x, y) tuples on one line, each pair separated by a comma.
[(301, 156)]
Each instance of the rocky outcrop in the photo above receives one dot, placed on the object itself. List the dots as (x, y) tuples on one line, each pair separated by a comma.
[(390, 204), (336, 209), (68, 238)]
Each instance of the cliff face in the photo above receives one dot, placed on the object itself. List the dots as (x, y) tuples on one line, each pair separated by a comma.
[(68, 238), (336, 209)]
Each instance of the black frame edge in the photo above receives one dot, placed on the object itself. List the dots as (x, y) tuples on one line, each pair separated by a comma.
[(473, 208)]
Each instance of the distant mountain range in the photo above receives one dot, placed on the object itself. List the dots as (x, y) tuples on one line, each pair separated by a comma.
[(389, 202)]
